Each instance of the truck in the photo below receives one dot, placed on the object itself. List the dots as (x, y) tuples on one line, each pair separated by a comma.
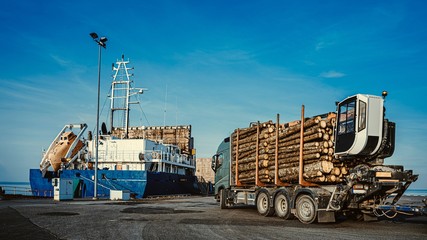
[(316, 168)]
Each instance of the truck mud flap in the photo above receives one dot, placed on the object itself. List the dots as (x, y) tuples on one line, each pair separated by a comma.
[(325, 216)]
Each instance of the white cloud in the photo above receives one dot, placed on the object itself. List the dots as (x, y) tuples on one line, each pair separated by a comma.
[(332, 74), (59, 60), (320, 45)]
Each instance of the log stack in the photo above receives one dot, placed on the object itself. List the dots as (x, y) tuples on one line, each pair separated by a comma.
[(177, 135), (258, 147)]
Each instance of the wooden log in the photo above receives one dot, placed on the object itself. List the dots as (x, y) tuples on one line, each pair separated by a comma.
[(244, 132), (294, 128), (292, 158), (336, 171), (318, 179), (263, 163), (344, 170), (250, 138), (246, 148), (312, 174), (325, 150), (251, 176), (307, 124), (305, 146), (307, 132), (322, 124), (331, 178), (285, 150), (296, 141), (266, 151), (307, 154), (246, 154), (325, 136), (323, 167), (326, 158), (248, 159), (318, 148)]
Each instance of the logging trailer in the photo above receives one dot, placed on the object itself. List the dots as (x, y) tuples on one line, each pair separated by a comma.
[(316, 168)]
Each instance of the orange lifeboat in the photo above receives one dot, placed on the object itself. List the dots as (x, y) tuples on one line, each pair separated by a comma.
[(58, 154)]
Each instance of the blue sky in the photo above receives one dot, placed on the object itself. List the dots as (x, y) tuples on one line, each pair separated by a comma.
[(224, 64)]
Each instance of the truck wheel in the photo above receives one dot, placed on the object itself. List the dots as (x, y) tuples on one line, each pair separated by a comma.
[(306, 209), (223, 199), (263, 204), (281, 205)]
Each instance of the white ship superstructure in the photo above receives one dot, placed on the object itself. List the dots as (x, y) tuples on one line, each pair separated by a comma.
[(140, 154)]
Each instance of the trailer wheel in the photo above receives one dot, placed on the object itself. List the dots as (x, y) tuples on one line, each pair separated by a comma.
[(306, 209), (282, 205), (263, 204), (223, 199)]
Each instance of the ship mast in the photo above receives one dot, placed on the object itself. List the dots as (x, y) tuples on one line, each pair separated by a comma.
[(121, 92)]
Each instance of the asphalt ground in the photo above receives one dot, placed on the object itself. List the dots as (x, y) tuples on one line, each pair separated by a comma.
[(182, 218), (15, 226)]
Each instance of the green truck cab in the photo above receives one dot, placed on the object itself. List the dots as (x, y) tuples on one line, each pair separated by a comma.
[(221, 167)]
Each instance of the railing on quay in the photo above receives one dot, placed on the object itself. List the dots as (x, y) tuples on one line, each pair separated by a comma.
[(25, 191)]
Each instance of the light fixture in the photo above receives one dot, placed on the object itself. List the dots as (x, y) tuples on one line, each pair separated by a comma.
[(384, 93), (101, 41)]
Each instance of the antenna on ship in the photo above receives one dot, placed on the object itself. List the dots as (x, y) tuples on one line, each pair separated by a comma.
[(176, 113), (164, 112), (121, 92)]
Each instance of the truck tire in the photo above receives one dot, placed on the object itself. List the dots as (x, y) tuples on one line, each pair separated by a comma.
[(263, 204), (306, 209), (223, 199), (282, 205)]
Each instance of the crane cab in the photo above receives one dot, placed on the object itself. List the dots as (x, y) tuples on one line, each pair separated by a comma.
[(359, 129)]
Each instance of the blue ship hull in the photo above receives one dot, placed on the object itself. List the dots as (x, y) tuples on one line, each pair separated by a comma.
[(139, 183)]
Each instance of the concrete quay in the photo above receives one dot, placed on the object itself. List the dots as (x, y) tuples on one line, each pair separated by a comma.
[(192, 217)]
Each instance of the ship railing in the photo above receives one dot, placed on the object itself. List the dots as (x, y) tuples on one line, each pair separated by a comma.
[(122, 156), (167, 156), (134, 156)]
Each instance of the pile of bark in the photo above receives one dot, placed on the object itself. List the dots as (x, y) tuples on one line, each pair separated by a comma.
[(262, 139)]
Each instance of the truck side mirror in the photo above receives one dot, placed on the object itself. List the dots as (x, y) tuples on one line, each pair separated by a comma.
[(214, 161)]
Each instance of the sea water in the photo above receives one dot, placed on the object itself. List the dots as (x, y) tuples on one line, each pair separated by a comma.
[(416, 192)]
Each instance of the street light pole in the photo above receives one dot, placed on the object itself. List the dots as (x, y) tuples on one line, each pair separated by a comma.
[(101, 43)]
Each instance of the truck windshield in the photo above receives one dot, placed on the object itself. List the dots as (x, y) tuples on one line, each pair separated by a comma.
[(220, 160), (346, 117)]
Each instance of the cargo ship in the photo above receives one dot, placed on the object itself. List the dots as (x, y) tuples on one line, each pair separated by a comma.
[(143, 161)]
